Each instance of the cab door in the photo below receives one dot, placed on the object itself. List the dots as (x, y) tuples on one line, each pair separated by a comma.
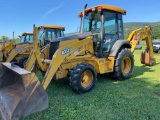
[(113, 30)]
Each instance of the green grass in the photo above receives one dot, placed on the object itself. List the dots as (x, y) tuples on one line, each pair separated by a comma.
[(137, 98)]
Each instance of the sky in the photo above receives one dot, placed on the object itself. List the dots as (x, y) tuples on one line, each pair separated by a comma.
[(19, 15)]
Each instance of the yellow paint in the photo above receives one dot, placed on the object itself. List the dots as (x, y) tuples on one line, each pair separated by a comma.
[(52, 27), (30, 33), (139, 34), (105, 7)]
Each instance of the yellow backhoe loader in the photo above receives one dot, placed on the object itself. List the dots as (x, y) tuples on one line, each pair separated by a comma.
[(6, 49), (98, 48), (21, 51)]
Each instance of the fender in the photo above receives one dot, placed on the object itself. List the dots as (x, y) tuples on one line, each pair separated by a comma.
[(118, 45)]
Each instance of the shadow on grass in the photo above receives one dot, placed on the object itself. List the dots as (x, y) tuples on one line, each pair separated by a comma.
[(140, 70)]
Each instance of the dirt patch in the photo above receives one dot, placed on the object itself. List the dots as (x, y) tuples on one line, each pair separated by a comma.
[(156, 95)]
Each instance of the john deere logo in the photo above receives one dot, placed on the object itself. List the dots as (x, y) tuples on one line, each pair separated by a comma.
[(67, 50)]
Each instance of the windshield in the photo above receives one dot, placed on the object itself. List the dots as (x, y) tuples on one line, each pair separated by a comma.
[(27, 38), (47, 34), (51, 34), (110, 22), (22, 38), (41, 34), (92, 22), (156, 43)]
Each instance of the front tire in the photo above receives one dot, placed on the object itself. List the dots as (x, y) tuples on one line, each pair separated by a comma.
[(83, 78), (22, 61), (124, 64)]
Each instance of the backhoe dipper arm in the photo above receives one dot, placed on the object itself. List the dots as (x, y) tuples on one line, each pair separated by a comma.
[(143, 33), (58, 58), (35, 54)]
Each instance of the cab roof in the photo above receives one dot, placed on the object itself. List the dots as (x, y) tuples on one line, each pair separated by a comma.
[(105, 7), (52, 26), (27, 33)]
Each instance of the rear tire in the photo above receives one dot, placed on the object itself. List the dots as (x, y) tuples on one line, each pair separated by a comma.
[(22, 61), (124, 64), (158, 52), (83, 78)]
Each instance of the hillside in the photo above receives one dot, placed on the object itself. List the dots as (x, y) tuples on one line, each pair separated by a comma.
[(140, 24), (129, 26)]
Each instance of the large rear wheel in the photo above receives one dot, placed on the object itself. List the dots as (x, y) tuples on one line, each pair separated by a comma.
[(83, 78), (124, 64)]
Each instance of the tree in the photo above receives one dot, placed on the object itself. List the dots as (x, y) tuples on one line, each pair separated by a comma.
[(17, 40), (155, 33), (4, 37)]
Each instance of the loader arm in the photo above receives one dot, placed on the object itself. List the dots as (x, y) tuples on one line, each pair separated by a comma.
[(134, 38), (3, 43), (58, 58), (6, 48), (18, 50), (35, 54)]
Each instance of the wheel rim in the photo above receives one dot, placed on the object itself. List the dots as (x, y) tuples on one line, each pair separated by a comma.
[(86, 78), (126, 65), (24, 63)]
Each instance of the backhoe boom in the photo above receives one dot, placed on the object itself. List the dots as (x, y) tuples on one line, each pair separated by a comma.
[(139, 34)]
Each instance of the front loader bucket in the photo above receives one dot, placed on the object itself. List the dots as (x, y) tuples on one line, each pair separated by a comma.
[(146, 59), (21, 93)]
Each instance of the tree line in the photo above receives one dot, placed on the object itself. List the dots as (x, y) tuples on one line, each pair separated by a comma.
[(6, 38)]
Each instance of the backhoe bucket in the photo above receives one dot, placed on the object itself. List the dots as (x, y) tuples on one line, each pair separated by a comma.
[(21, 93), (146, 59)]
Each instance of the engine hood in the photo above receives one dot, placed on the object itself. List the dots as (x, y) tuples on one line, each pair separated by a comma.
[(79, 36), (22, 43)]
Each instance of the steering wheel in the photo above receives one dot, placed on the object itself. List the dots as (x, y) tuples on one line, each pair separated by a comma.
[(97, 30), (112, 31), (108, 38), (47, 41)]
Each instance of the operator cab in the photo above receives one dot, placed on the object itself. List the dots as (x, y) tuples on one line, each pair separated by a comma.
[(106, 24), (48, 33), (26, 37)]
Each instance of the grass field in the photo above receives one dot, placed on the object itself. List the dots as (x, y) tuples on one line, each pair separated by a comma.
[(137, 98)]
